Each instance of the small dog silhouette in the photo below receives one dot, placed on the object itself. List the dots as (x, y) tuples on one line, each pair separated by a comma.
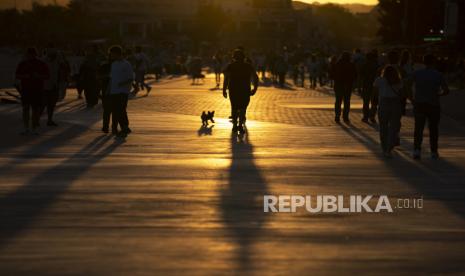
[(207, 116)]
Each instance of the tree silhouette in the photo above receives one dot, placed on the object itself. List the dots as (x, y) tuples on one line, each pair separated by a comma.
[(408, 21)]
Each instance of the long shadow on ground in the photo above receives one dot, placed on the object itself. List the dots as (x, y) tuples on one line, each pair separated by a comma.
[(427, 177), (241, 201)]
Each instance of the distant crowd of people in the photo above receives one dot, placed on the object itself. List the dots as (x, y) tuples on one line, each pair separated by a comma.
[(42, 81), (385, 87), (385, 82)]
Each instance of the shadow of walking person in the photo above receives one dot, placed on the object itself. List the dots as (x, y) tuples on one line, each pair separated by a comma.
[(241, 201), (21, 207), (431, 179)]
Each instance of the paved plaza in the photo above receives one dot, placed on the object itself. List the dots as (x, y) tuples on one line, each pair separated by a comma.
[(175, 198)]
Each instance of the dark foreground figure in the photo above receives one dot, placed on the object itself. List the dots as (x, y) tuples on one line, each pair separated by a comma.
[(121, 79), (238, 77), (429, 86), (344, 79), (32, 73)]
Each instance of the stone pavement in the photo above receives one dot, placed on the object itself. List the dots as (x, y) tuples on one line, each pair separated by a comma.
[(178, 199)]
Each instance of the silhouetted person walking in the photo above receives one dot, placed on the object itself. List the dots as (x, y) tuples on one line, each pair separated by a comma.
[(429, 86), (122, 77), (52, 84), (88, 74), (105, 84), (32, 73), (369, 72), (389, 88), (142, 65), (406, 71), (344, 77), (281, 69), (238, 77), (217, 67), (312, 67)]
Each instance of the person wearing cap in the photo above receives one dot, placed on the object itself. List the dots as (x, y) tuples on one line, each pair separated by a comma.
[(238, 77)]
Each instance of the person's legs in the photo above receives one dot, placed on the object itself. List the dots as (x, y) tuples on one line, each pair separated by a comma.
[(112, 101), (366, 96), (404, 106), (347, 95), (383, 116), (52, 98), (235, 116), (136, 84), (434, 115), (295, 77), (282, 79), (235, 108), (142, 81), (420, 120), (217, 78), (374, 105), (95, 94), (106, 113), (87, 94), (244, 104), (78, 86), (144, 84), (123, 117), (394, 123), (242, 115), (36, 110), (26, 112), (91, 95), (117, 110), (338, 102)]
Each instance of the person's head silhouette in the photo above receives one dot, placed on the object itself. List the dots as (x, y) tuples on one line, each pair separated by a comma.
[(238, 55), (345, 57), (31, 53)]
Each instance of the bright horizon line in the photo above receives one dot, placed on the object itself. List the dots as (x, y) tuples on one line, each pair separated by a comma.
[(364, 2)]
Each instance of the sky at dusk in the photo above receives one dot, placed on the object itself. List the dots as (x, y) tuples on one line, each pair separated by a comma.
[(367, 2), (24, 4)]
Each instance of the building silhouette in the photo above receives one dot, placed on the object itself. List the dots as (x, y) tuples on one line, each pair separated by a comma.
[(140, 19)]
